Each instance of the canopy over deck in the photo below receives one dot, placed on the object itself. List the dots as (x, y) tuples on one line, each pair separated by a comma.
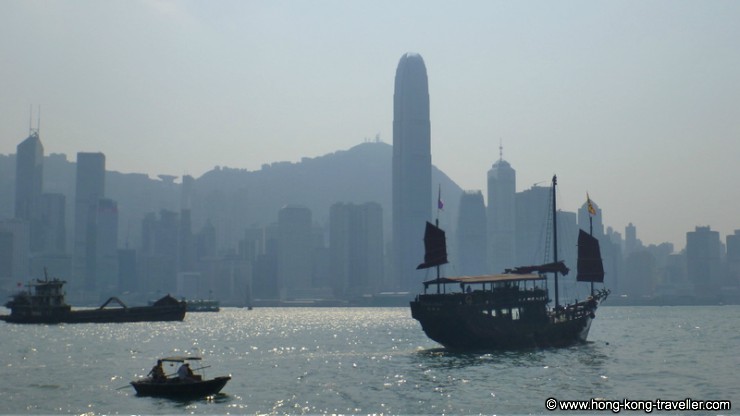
[(489, 278), (180, 359)]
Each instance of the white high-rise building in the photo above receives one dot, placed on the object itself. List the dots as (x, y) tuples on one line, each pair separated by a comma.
[(412, 170), (501, 217)]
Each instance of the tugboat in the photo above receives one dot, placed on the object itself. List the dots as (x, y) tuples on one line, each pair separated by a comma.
[(508, 311), (182, 384), (44, 303)]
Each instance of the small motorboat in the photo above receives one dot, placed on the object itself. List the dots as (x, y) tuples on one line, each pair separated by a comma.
[(184, 382)]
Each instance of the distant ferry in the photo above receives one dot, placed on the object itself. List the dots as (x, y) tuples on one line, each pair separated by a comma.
[(44, 303), (203, 305)]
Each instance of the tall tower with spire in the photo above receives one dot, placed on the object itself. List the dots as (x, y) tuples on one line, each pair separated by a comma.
[(412, 169), (501, 215), (29, 171)]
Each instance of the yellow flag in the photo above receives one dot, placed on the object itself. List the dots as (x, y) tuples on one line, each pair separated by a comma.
[(590, 206)]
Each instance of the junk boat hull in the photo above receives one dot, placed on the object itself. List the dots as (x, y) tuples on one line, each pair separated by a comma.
[(507, 311), (177, 388), (460, 324)]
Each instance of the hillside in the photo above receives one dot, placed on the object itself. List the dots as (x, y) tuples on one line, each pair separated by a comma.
[(357, 175)]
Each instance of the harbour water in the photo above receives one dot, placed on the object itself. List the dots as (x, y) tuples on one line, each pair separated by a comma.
[(367, 360)]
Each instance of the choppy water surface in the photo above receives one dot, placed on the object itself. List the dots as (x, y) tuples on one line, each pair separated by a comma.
[(366, 360)]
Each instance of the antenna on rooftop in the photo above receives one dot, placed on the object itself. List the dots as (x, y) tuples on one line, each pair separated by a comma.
[(31, 130), (500, 149)]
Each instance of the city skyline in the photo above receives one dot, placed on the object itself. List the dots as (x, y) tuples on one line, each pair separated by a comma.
[(275, 252), (631, 102), (624, 231)]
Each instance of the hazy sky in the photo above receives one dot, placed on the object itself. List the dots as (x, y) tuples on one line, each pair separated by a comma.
[(635, 102)]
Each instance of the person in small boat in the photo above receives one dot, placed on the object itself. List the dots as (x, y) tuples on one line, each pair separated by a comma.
[(184, 373), (157, 373)]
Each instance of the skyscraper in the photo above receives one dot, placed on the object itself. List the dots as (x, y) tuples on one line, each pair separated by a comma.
[(29, 170), (54, 229), (531, 225), (106, 252), (630, 239), (501, 216), (356, 248), (703, 261), (412, 169), (733, 259), (14, 243), (471, 235), (295, 251), (159, 250), (89, 189)]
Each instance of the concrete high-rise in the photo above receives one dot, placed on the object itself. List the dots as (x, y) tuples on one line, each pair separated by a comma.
[(52, 220), (159, 251), (630, 239), (471, 235), (29, 170), (501, 217), (703, 261), (89, 189), (412, 170), (733, 259), (532, 210), (14, 243), (295, 252), (356, 248), (106, 252)]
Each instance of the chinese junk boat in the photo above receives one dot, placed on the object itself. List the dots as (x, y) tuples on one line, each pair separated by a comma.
[(176, 386), (44, 303), (507, 311)]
